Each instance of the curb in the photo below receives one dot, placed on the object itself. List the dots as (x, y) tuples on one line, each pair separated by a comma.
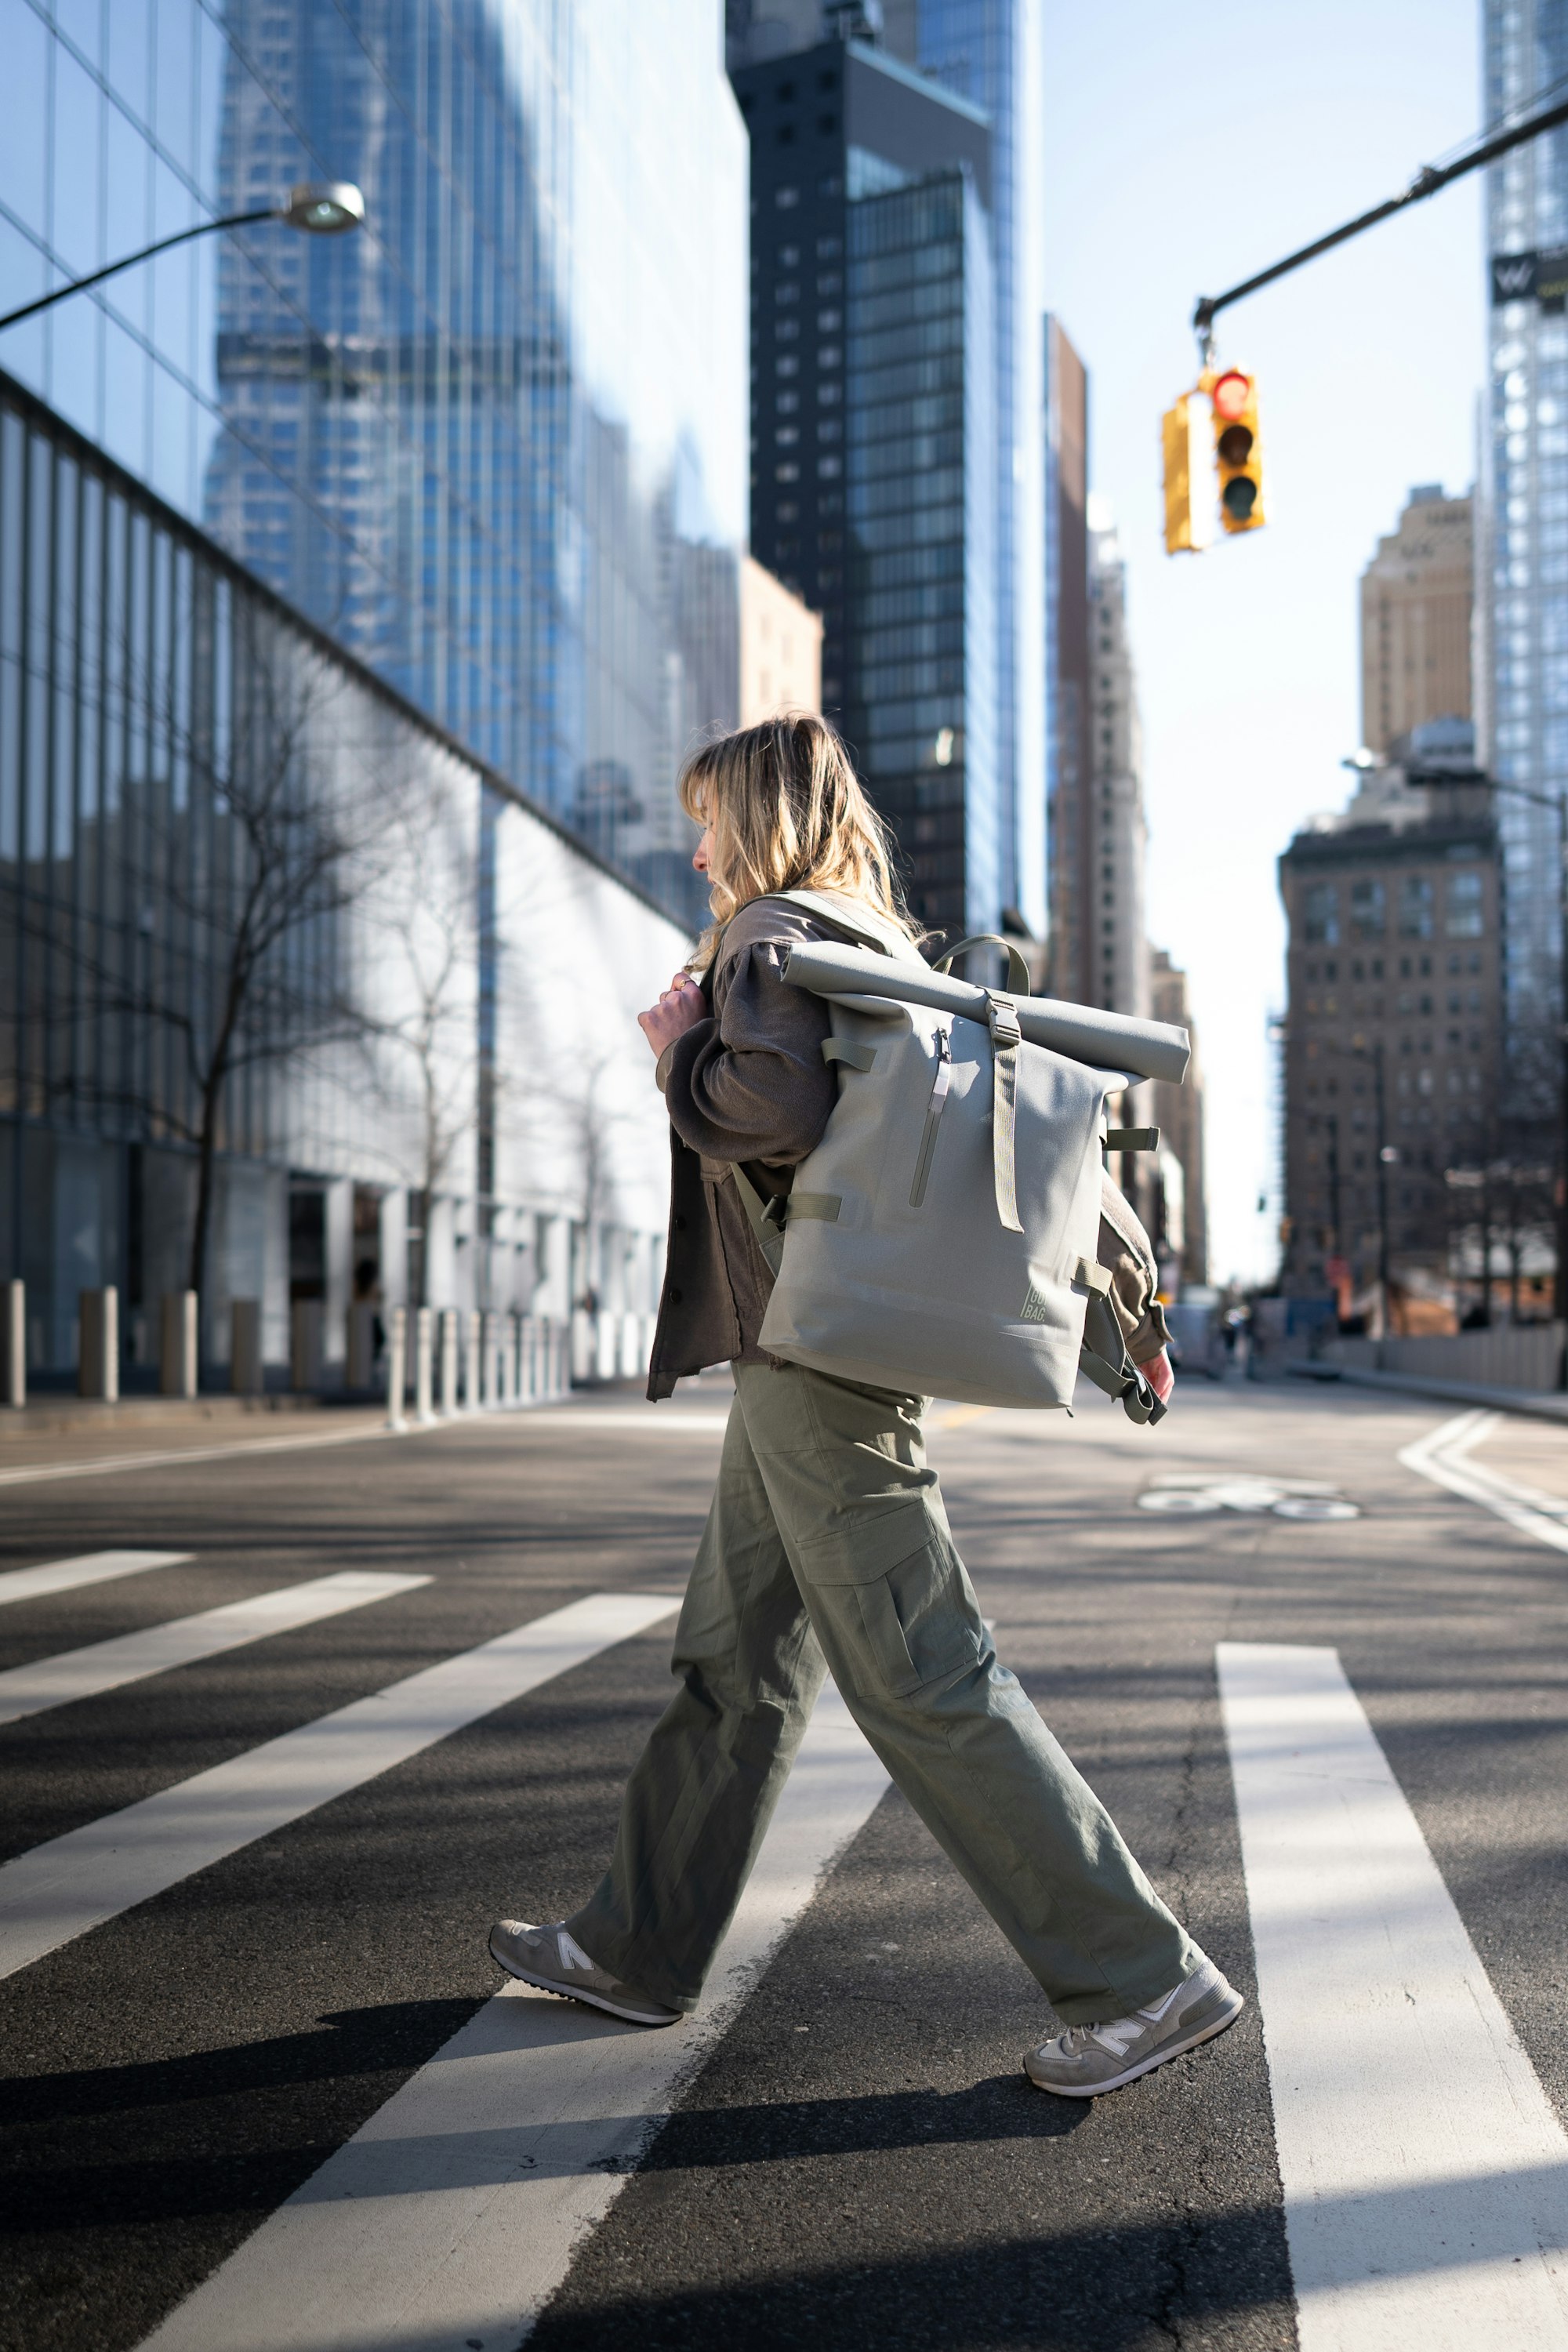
[(1534, 1405)]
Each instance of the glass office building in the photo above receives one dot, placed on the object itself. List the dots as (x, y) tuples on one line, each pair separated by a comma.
[(874, 439), (990, 53), (1523, 539), (493, 443), (920, 421)]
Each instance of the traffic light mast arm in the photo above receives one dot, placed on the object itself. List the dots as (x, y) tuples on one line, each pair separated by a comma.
[(1427, 183)]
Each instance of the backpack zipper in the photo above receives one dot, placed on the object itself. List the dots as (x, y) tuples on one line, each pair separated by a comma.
[(939, 1084)]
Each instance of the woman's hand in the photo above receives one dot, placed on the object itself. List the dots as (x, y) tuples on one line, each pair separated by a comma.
[(680, 1008), (1161, 1378)]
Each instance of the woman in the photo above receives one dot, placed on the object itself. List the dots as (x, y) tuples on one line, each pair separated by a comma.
[(828, 1545)]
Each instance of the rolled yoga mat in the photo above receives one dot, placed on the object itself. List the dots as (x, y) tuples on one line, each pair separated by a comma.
[(1148, 1049)]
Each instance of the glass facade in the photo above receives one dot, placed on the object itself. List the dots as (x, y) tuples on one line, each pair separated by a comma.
[(921, 420), (874, 420), (256, 913), (493, 442), (990, 52), (1523, 535)]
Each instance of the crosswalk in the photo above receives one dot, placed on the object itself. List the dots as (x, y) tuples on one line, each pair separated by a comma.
[(56, 1891), (1425, 2175), (88, 1567), (101, 1666)]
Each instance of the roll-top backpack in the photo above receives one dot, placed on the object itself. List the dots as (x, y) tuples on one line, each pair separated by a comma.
[(942, 1238)]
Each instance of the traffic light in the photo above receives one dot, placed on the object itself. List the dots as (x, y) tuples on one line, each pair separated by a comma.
[(1239, 450), (1189, 502)]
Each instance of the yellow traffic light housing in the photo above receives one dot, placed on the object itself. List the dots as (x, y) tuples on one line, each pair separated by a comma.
[(1238, 450), (1189, 507)]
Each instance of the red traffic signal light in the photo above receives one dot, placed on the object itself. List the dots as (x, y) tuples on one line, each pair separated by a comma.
[(1234, 397)]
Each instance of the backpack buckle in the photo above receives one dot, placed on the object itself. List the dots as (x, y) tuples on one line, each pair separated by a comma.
[(1002, 1016)]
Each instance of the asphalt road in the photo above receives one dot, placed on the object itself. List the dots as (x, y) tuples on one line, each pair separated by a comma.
[(857, 2161)]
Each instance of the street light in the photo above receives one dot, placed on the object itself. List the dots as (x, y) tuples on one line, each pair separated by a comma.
[(318, 207)]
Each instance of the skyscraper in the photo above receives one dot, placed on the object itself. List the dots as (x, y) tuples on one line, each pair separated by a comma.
[(990, 52), (494, 443), (1524, 562), (987, 53), (873, 431), (1416, 605)]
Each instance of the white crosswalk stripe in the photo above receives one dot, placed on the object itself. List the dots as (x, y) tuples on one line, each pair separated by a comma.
[(88, 1567), (1426, 2175), (59, 1890), (102, 1666), (455, 2212)]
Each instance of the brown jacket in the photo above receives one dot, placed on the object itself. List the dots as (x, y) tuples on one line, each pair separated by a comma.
[(749, 1085)]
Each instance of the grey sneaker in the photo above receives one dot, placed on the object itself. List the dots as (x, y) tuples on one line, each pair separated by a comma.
[(555, 1962), (1089, 2059)]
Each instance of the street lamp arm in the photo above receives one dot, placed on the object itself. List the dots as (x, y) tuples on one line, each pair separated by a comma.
[(324, 208), (181, 236)]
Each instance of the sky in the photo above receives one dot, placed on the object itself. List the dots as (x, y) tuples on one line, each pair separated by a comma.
[(1187, 149)]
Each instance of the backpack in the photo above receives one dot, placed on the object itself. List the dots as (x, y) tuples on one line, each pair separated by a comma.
[(941, 1237)]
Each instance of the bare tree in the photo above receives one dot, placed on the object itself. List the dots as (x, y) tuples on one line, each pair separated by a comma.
[(233, 859), (420, 1015)]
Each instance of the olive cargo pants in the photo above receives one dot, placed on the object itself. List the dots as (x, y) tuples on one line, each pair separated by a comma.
[(827, 1546)]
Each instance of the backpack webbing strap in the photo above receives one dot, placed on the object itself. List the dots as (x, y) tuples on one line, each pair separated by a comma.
[(1005, 1039), (1104, 1359), (844, 1049), (766, 1225)]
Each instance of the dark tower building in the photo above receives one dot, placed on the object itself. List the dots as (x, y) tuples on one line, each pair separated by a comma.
[(873, 438)]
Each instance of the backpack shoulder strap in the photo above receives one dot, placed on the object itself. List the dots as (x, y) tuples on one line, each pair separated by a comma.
[(866, 924)]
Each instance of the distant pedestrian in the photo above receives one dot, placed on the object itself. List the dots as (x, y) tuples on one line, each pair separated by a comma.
[(828, 1544)]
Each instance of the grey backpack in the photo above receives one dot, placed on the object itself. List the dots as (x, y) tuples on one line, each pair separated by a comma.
[(942, 1238)]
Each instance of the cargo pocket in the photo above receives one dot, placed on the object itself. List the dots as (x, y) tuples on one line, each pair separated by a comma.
[(918, 1621)]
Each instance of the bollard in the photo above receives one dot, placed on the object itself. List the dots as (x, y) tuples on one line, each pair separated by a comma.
[(244, 1347), (448, 1361), (487, 1359), (98, 1344), (424, 1365), (506, 1347), (305, 1345), (13, 1342), (177, 1359), (359, 1372), (397, 1345), (471, 1362)]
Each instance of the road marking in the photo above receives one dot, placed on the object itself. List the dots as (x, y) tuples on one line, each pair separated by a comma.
[(1442, 1457), (652, 1423), (131, 1657), (76, 1882), (88, 1567), (583, 1416), (455, 2212), (1425, 2177)]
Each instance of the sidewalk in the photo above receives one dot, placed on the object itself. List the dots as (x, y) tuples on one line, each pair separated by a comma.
[(1538, 1404), (91, 1416)]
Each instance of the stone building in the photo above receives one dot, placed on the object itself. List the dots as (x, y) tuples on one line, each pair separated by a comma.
[(781, 648), (1415, 604), (1178, 1112), (1393, 1025)]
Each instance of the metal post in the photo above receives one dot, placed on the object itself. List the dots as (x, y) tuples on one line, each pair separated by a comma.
[(178, 1357), (471, 1362), (98, 1344), (245, 1377), (424, 1365), (14, 1336), (1383, 1148), (448, 1361), (396, 1346)]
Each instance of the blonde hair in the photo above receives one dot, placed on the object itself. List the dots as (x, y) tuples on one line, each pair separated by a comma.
[(787, 812)]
